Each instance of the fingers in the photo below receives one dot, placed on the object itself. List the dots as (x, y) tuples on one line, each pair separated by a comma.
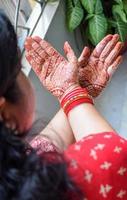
[(113, 54), (31, 44), (44, 49), (83, 59), (47, 47), (40, 70), (37, 39), (85, 54), (99, 48), (69, 53), (31, 50), (114, 66), (44, 71), (27, 44), (108, 48), (32, 62), (37, 57)]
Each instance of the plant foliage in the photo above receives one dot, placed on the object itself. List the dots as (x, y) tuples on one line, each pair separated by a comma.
[(75, 14), (93, 13)]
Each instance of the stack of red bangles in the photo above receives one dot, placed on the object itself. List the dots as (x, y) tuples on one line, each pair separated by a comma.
[(76, 97)]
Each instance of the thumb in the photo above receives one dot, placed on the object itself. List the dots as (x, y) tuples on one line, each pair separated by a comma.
[(85, 54), (69, 53), (84, 57)]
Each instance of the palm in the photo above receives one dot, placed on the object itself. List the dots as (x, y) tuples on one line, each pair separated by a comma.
[(101, 65), (94, 71), (60, 78), (54, 71), (94, 76)]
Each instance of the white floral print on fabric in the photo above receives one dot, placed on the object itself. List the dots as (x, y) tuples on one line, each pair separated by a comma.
[(121, 194), (101, 166), (117, 149), (104, 190), (88, 176), (106, 165), (122, 171), (93, 154), (42, 144), (99, 147)]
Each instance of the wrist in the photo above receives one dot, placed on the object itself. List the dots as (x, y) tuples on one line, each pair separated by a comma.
[(73, 97), (69, 90)]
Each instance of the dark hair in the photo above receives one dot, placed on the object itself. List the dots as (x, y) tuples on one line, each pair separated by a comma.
[(9, 59), (26, 176)]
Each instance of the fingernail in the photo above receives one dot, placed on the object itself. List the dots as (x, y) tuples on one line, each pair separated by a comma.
[(116, 36), (67, 44), (120, 45)]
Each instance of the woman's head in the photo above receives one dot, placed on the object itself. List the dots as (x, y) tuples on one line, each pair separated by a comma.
[(16, 93), (26, 176)]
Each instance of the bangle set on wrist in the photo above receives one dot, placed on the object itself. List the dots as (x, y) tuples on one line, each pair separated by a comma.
[(74, 98)]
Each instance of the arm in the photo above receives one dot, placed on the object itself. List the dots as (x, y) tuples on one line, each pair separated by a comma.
[(88, 120), (60, 123), (59, 130)]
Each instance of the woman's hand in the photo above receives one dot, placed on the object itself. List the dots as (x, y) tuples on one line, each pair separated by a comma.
[(101, 65), (95, 70), (56, 73)]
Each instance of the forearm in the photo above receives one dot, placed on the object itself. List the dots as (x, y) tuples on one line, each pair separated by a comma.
[(85, 119), (59, 130)]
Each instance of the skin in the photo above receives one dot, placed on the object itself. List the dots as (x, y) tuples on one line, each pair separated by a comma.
[(95, 69), (39, 55), (101, 65), (92, 122), (19, 116)]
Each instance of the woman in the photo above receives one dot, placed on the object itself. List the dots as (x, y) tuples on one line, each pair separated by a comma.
[(98, 161), (17, 100), (23, 174)]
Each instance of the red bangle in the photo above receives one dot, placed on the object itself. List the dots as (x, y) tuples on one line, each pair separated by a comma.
[(76, 103), (74, 98), (74, 92)]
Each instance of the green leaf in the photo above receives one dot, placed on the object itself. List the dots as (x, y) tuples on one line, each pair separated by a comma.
[(120, 2), (125, 6), (75, 14), (89, 5), (89, 16), (121, 29), (112, 23), (118, 12), (121, 22), (98, 7), (97, 28)]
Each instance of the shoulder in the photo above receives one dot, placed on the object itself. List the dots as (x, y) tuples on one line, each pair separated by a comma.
[(96, 142), (96, 160)]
